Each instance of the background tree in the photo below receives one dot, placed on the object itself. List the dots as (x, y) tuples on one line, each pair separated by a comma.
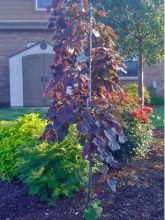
[(139, 26), (88, 103)]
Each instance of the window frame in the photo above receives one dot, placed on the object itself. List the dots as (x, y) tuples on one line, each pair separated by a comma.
[(126, 77), (37, 8)]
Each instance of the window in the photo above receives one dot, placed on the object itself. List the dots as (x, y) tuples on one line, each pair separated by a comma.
[(43, 4), (132, 69)]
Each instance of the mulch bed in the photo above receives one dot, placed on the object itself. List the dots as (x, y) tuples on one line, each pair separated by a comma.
[(139, 194)]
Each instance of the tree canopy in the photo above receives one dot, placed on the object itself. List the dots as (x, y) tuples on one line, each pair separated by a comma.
[(139, 25), (89, 105), (137, 21)]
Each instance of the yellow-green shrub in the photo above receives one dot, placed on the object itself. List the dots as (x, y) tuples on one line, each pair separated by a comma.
[(50, 170), (14, 137), (132, 91)]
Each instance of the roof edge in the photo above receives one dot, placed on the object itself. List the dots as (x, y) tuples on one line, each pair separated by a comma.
[(27, 48)]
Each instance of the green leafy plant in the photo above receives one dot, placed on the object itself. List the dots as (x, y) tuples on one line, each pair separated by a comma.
[(94, 211), (15, 137), (53, 170), (132, 91), (137, 126), (139, 132)]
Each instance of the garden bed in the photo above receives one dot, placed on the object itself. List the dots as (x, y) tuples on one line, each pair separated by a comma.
[(139, 194)]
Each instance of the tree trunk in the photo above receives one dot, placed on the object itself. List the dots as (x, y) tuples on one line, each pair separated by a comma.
[(141, 79), (89, 184)]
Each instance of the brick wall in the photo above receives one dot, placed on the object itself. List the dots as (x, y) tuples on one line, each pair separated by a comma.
[(155, 73), (12, 42), (152, 73)]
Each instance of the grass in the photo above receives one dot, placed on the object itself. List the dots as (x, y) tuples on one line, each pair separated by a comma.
[(158, 120), (11, 114)]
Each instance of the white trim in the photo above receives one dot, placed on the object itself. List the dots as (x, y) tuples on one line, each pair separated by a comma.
[(16, 73), (129, 78), (30, 44)]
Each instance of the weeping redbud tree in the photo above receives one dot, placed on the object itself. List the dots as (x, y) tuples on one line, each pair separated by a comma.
[(81, 88)]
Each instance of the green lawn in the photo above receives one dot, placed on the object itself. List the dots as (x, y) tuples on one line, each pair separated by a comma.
[(11, 114), (158, 120)]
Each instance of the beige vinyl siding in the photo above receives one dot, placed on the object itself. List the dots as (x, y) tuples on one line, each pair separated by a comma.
[(21, 10)]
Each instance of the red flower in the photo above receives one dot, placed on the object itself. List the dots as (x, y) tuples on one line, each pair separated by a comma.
[(135, 113), (145, 118), (112, 94), (147, 109)]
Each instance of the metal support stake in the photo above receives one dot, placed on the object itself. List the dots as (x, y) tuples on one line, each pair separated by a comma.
[(90, 107)]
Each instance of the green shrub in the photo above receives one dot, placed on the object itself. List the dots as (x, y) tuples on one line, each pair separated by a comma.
[(132, 90), (156, 100), (94, 211), (14, 137), (139, 136), (49, 170), (137, 126), (54, 170)]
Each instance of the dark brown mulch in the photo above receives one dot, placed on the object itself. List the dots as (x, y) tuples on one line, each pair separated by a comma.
[(139, 194)]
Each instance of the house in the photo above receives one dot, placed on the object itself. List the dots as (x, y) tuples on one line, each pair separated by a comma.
[(25, 53), (153, 76)]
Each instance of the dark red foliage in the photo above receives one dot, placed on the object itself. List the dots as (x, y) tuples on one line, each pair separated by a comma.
[(99, 132)]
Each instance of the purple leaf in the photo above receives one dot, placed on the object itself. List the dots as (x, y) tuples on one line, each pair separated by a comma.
[(112, 183), (104, 169), (114, 145), (86, 150), (113, 163), (62, 132), (51, 113), (108, 134), (98, 124), (100, 141), (83, 127), (122, 138)]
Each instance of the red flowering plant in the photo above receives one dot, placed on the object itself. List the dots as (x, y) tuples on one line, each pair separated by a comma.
[(137, 125), (143, 113)]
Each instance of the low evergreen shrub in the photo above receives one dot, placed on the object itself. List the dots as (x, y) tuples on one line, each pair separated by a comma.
[(54, 170)]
